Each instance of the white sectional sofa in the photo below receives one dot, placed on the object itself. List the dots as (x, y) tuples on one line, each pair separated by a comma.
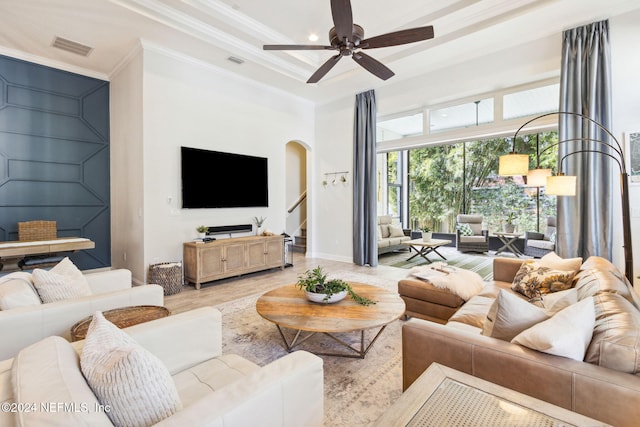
[(214, 389), (110, 289)]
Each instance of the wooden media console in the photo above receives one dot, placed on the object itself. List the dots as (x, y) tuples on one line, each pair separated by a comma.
[(218, 259)]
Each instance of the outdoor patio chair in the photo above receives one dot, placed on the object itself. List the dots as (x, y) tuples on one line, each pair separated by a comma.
[(537, 244), (470, 237)]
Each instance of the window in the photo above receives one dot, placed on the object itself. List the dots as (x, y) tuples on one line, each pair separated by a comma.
[(463, 115), (463, 178), (400, 127), (531, 102), (433, 173)]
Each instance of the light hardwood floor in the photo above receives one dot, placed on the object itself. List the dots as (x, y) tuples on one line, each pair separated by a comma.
[(220, 291)]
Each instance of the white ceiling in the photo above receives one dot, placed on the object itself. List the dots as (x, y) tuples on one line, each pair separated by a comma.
[(213, 30)]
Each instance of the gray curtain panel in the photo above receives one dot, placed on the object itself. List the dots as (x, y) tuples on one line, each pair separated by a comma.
[(365, 245), (585, 224)]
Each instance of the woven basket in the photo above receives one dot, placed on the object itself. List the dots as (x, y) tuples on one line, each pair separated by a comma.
[(168, 275), (37, 230)]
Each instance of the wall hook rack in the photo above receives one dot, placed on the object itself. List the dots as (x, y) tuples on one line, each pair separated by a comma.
[(336, 177)]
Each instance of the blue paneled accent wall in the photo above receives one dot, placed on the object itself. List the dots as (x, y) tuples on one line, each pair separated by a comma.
[(54, 155)]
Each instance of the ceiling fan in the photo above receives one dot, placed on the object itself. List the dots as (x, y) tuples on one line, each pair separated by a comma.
[(347, 38)]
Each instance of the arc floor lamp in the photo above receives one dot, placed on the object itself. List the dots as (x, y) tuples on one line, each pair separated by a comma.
[(513, 164)]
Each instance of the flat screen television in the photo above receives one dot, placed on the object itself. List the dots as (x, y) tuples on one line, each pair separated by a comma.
[(214, 179)]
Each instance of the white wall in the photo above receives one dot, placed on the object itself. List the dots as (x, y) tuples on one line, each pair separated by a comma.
[(127, 187), (625, 39), (160, 102)]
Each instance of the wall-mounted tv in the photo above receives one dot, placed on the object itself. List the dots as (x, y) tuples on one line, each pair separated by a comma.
[(214, 179)]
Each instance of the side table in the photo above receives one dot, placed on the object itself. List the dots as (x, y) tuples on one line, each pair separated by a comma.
[(509, 240), (122, 318), (442, 396)]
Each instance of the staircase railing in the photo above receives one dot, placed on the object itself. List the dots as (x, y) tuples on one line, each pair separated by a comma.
[(297, 208), (301, 198)]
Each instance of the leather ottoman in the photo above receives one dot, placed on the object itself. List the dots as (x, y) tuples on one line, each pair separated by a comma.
[(425, 301)]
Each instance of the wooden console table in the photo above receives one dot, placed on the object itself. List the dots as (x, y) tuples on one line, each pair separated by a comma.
[(19, 249), (218, 259)]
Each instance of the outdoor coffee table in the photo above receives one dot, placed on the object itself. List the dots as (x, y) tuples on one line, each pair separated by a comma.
[(509, 240), (423, 248), (288, 307)]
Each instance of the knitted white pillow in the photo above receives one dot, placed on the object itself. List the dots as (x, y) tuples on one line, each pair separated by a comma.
[(135, 384), (61, 282)]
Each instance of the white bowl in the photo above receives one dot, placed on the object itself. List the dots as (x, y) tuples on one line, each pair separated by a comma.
[(314, 297)]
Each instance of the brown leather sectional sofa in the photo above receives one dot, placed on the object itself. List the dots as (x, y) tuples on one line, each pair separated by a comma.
[(610, 394)]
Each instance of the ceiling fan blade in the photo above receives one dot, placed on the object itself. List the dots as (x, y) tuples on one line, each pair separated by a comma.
[(372, 65), (342, 18), (295, 47), (324, 69), (398, 37)]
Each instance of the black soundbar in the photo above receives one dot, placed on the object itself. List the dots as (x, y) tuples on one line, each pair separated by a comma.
[(223, 229)]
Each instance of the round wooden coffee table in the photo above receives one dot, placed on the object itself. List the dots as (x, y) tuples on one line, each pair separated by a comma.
[(122, 318), (288, 307)]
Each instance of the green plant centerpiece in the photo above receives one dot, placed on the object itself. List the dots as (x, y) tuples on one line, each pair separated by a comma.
[(202, 229), (327, 290)]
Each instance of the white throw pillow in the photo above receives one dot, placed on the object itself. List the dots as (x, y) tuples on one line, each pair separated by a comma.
[(554, 262), (61, 282), (567, 334), (16, 290), (509, 315), (395, 231), (554, 302), (131, 380)]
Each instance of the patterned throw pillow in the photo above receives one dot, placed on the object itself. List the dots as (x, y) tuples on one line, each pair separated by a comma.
[(534, 280), (130, 379), (465, 229)]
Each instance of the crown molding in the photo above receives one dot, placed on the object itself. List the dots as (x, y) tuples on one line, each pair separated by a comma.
[(193, 27), (48, 62)]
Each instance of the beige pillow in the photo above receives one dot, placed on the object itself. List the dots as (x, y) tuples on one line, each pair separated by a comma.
[(566, 334), (554, 302), (16, 290), (133, 382), (554, 262), (61, 282), (533, 280), (395, 230), (384, 230), (509, 315)]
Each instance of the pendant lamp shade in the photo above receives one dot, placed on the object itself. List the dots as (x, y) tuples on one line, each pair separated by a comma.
[(561, 185), (538, 177), (513, 164)]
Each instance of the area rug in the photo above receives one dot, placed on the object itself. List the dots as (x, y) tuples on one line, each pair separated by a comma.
[(483, 265), (357, 391)]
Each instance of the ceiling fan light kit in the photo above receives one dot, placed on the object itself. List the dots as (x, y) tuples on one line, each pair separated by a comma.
[(348, 39)]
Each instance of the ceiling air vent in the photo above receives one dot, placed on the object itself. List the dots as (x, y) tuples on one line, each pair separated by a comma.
[(71, 46)]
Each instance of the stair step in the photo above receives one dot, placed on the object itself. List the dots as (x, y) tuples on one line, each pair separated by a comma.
[(298, 248), (300, 240)]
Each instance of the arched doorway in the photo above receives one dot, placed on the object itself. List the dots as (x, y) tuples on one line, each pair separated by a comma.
[(296, 197)]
